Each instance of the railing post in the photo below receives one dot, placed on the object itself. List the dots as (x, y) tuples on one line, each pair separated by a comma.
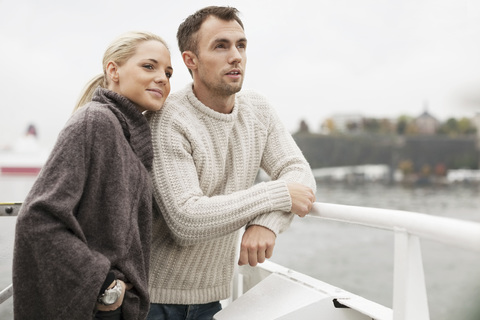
[(409, 291)]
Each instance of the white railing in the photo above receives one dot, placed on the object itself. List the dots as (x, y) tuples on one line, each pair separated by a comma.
[(409, 291), (8, 209), (6, 293)]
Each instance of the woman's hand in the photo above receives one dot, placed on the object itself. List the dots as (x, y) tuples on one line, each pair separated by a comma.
[(118, 303)]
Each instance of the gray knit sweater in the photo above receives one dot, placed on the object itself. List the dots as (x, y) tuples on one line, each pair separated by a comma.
[(88, 212), (204, 170)]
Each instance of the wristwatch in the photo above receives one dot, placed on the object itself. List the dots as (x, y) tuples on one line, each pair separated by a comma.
[(110, 296)]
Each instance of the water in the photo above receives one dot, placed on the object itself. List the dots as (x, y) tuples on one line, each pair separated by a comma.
[(356, 258)]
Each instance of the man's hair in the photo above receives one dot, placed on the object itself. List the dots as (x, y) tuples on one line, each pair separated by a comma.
[(187, 32)]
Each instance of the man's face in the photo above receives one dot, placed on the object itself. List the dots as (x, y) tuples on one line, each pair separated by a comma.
[(221, 57)]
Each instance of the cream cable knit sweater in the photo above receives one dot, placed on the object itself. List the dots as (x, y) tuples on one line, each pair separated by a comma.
[(204, 169)]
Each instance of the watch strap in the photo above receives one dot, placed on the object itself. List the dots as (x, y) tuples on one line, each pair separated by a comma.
[(108, 281)]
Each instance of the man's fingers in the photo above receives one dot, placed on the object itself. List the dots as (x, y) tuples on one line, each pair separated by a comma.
[(257, 245), (243, 260), (252, 257), (269, 252), (261, 256)]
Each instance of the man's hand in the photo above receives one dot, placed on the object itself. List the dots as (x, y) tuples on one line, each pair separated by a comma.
[(257, 244), (302, 198)]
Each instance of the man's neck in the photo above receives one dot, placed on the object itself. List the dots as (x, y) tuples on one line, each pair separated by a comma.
[(218, 103)]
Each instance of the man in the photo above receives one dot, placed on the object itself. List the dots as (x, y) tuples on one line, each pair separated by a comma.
[(209, 141)]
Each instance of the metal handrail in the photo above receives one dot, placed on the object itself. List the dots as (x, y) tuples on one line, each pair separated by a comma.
[(460, 233), (6, 293), (408, 227), (409, 290), (8, 209)]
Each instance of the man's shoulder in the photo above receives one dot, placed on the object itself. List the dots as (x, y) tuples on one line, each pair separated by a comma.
[(251, 96), (177, 102), (175, 110), (254, 102), (179, 96)]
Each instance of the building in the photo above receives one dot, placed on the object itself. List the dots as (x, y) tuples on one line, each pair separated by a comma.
[(427, 124)]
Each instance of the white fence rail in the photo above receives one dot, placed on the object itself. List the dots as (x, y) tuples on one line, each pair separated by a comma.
[(460, 233), (409, 291)]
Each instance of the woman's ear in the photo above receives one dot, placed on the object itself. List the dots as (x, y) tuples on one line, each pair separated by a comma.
[(190, 59), (112, 71)]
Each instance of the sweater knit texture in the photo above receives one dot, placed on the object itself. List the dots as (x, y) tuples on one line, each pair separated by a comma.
[(88, 212), (204, 170)]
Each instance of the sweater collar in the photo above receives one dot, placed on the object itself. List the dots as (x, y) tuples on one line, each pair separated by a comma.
[(207, 110), (134, 124)]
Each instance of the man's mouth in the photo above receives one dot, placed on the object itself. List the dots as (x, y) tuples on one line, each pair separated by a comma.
[(234, 73)]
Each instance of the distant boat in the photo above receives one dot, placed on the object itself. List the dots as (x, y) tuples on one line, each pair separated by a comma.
[(25, 157)]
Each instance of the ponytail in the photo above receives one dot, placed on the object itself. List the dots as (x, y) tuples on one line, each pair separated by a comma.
[(88, 91)]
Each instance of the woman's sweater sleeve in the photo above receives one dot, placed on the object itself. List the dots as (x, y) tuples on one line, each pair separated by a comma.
[(54, 268)]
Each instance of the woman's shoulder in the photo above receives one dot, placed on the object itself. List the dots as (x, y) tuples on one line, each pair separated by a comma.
[(94, 118), (95, 112)]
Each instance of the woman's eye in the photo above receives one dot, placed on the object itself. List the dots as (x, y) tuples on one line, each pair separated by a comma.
[(168, 74), (148, 66)]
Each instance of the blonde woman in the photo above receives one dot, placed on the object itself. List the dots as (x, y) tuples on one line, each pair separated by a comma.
[(82, 240)]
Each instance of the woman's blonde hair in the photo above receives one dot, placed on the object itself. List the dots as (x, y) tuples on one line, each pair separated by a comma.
[(119, 51)]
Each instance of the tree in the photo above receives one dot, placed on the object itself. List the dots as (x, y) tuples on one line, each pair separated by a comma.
[(454, 127)]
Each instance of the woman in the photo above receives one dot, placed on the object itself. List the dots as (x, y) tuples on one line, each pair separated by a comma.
[(83, 234)]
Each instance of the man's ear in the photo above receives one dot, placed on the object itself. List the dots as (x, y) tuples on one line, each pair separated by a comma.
[(190, 59), (112, 71)]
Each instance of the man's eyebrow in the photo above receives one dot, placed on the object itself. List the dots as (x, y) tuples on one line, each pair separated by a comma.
[(221, 40), (225, 40)]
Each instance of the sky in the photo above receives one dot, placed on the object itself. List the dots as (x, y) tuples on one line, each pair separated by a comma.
[(311, 59)]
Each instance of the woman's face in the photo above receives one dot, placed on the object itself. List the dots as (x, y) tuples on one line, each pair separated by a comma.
[(145, 77)]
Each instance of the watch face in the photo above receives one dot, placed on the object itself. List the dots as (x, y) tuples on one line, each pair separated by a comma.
[(110, 297)]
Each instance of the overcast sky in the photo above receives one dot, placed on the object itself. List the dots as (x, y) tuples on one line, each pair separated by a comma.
[(311, 59)]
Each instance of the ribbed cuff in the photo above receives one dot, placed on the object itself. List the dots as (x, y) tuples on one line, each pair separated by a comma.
[(279, 196), (274, 221)]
